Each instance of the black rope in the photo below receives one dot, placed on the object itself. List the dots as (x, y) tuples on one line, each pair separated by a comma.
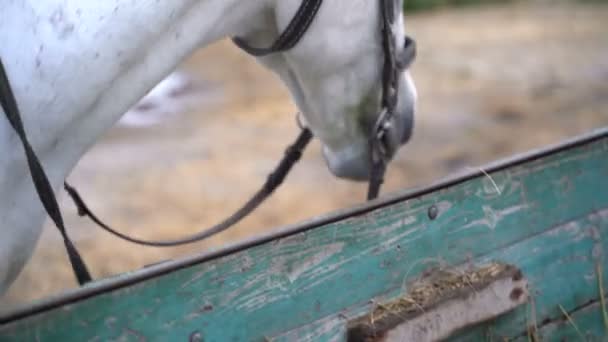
[(274, 180), (41, 182), (292, 34), (376, 180)]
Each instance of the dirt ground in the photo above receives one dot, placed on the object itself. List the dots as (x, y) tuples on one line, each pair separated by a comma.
[(493, 81)]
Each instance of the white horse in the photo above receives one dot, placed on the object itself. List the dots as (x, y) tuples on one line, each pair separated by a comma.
[(77, 66)]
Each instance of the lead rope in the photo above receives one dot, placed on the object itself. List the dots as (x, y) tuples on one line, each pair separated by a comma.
[(41, 182), (47, 195), (274, 180)]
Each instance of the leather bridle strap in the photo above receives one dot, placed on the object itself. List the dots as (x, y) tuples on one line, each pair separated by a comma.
[(274, 180), (394, 64), (41, 182), (293, 33), (388, 102)]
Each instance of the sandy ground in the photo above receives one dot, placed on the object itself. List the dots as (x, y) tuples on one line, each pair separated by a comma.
[(493, 81)]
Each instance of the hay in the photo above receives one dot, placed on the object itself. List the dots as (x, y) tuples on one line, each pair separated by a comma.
[(429, 293), (578, 331), (441, 286)]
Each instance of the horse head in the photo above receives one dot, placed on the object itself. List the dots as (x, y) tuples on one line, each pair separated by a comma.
[(335, 76)]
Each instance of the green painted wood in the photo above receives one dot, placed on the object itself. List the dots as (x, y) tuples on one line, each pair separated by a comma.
[(560, 265), (549, 219), (587, 323)]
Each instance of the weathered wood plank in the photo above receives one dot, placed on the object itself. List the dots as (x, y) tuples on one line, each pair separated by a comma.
[(560, 266), (588, 320), (281, 285)]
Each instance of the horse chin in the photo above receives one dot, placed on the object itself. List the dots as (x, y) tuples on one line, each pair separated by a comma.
[(351, 163)]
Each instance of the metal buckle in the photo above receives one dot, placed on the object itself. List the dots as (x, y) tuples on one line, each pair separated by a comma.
[(379, 148)]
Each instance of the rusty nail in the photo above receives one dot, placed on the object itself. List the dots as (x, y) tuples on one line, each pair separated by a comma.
[(196, 337), (516, 293), (433, 212)]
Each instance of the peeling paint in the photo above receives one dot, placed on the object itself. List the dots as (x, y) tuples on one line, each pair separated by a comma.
[(491, 217)]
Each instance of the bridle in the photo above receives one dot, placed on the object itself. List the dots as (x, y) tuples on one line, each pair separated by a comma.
[(394, 64)]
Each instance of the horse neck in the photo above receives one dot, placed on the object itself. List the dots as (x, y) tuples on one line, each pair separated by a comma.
[(76, 67), (70, 61)]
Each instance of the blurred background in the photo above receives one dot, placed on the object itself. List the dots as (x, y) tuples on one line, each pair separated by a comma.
[(494, 78)]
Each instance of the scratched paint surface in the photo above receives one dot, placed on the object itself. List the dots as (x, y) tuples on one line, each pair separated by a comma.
[(548, 217)]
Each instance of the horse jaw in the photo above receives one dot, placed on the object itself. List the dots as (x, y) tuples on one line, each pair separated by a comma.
[(76, 67)]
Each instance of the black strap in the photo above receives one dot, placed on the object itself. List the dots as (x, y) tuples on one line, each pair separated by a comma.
[(378, 158), (41, 182), (275, 179), (376, 180), (394, 64), (292, 34)]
